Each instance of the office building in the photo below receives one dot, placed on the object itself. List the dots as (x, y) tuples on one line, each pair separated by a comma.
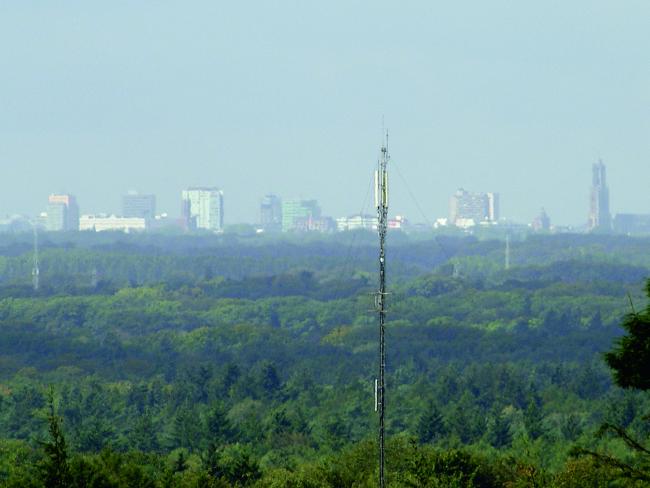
[(467, 208), (398, 223), (298, 215), (139, 206), (100, 223), (541, 223), (600, 219), (62, 213), (271, 213), (323, 224), (632, 224), (202, 208), (493, 207), (356, 222)]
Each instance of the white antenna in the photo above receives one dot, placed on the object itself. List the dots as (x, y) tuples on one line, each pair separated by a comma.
[(35, 269), (376, 403), (507, 264)]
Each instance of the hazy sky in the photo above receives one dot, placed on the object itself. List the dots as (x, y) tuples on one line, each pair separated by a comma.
[(517, 97)]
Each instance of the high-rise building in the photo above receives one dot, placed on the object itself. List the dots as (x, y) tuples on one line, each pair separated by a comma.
[(62, 213), (299, 214), (139, 206), (202, 208), (599, 217), (271, 213), (465, 206), (541, 223), (493, 207)]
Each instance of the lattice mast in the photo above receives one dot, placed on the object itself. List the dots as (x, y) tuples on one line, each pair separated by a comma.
[(35, 268), (381, 202)]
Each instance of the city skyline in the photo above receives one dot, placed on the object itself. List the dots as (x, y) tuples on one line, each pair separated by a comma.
[(520, 99), (146, 202), (202, 208), (118, 199)]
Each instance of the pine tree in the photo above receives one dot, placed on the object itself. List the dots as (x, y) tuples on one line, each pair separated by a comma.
[(181, 462), (431, 425), (498, 434), (533, 418), (270, 380), (630, 362), (218, 425), (55, 467), (230, 377), (630, 358)]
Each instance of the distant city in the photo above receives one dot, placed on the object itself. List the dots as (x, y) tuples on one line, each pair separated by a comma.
[(202, 210)]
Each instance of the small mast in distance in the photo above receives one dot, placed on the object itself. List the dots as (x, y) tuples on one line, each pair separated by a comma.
[(35, 267), (381, 202)]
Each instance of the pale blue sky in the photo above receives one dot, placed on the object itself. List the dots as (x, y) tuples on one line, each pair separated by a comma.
[(518, 97)]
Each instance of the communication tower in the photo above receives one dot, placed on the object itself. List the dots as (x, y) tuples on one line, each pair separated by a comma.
[(35, 269), (381, 202), (94, 278)]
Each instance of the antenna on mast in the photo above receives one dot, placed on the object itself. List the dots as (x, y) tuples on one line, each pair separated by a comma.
[(381, 202), (35, 269)]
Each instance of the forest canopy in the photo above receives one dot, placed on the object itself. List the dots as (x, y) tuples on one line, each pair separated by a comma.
[(208, 361)]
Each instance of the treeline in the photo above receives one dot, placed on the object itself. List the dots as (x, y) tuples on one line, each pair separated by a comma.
[(73, 263)]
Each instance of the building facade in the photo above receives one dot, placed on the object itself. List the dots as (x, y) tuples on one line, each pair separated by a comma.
[(542, 223), (100, 223), (271, 213), (202, 208), (493, 207), (356, 222), (398, 223), (599, 216), (299, 215), (473, 208), (62, 213), (632, 224), (139, 206)]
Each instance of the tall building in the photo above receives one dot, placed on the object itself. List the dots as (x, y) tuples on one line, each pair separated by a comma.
[(541, 223), (271, 213), (139, 206), (467, 207), (493, 207), (299, 215), (62, 213), (202, 208), (599, 217)]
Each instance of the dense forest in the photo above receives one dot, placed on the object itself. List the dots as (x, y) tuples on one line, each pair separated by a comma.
[(214, 361)]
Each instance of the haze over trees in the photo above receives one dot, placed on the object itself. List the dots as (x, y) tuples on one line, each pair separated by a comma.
[(221, 362)]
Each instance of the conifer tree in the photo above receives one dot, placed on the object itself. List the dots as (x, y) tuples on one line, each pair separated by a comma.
[(630, 358), (55, 467), (431, 425)]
